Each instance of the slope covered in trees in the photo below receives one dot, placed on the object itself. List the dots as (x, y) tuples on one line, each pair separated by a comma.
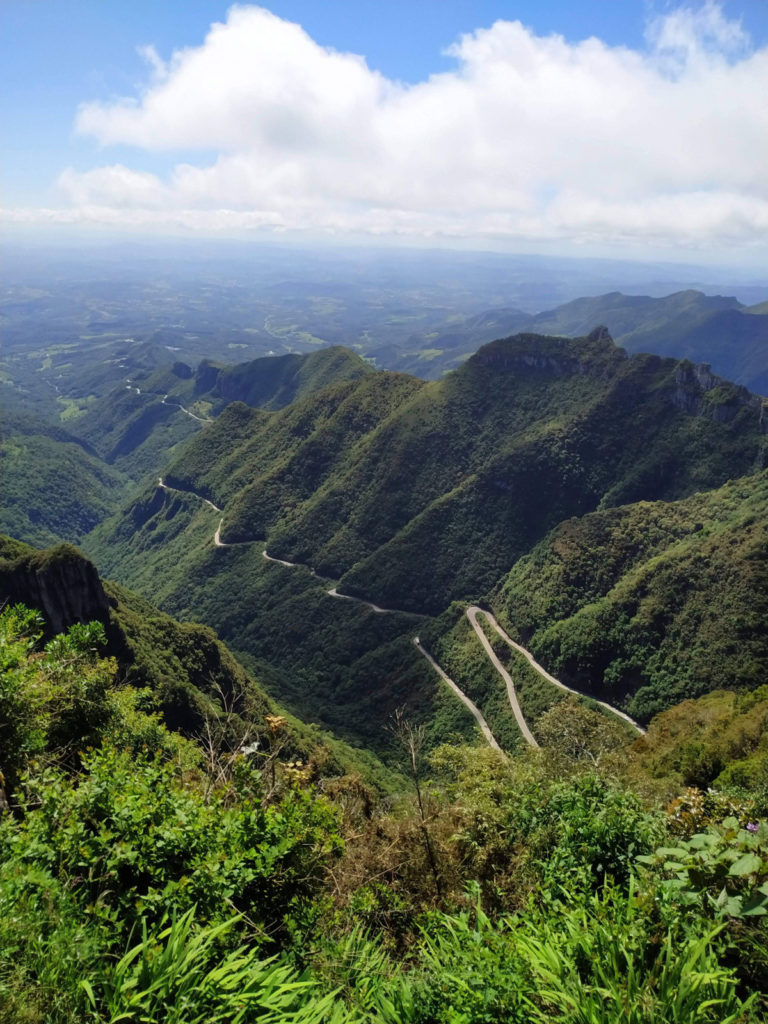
[(372, 480), (272, 382), (179, 671), (62, 479), (656, 600), (412, 494), (54, 486)]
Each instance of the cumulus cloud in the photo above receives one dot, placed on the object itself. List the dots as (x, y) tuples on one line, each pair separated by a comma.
[(529, 138)]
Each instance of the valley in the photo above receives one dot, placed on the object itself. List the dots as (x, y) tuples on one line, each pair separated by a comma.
[(472, 615), (369, 487), (384, 513), (470, 618)]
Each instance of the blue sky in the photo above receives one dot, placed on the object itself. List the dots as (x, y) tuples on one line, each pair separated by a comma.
[(506, 92)]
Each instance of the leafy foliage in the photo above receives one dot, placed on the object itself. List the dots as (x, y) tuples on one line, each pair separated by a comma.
[(720, 739), (180, 976), (52, 703), (727, 866), (137, 883), (650, 603)]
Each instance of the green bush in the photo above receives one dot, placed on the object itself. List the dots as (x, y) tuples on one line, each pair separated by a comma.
[(180, 976), (53, 701), (138, 838)]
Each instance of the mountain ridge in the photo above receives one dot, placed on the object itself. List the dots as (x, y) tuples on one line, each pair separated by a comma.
[(415, 494)]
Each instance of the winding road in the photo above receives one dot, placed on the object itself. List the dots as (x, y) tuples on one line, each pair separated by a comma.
[(484, 727), (534, 664), (472, 613), (165, 487), (172, 405), (178, 405), (333, 592)]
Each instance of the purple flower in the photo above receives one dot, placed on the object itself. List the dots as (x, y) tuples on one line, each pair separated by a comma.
[(752, 826)]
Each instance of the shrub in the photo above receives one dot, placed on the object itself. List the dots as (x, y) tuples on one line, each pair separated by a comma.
[(136, 837)]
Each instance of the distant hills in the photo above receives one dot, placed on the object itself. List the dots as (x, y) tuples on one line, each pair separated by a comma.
[(273, 382), (61, 480), (720, 331)]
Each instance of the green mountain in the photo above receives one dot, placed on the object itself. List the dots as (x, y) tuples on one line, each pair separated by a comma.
[(712, 329), (685, 325), (655, 601), (634, 313), (272, 382), (137, 426), (133, 429), (61, 480), (412, 495), (330, 661), (54, 485), (372, 483)]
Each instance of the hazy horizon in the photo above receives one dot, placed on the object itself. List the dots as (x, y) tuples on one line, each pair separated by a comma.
[(624, 132)]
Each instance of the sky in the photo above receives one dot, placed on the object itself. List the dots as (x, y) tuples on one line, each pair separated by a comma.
[(632, 128)]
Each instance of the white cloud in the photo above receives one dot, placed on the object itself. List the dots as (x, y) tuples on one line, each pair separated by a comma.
[(115, 184), (529, 138), (689, 32)]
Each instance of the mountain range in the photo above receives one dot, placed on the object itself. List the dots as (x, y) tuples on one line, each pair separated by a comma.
[(376, 697), (720, 331), (413, 494)]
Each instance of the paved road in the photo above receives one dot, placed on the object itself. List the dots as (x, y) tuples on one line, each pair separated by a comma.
[(281, 561), (165, 487), (178, 405), (333, 592), (550, 678), (175, 405), (472, 613), (484, 727)]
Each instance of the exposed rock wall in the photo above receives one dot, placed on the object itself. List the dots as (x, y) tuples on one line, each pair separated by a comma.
[(60, 582)]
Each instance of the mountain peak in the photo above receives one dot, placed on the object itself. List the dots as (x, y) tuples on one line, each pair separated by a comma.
[(537, 353), (600, 333)]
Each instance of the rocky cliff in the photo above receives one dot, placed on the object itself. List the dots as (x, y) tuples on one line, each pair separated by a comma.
[(60, 582)]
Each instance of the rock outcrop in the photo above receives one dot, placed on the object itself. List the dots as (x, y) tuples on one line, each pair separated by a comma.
[(60, 582)]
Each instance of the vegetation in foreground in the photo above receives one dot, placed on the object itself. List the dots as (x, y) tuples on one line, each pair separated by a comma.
[(148, 876)]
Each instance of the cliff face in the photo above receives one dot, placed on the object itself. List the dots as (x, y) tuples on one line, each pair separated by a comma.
[(690, 387), (60, 582), (595, 355), (698, 391)]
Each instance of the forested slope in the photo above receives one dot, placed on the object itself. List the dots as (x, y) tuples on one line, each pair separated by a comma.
[(180, 671), (466, 474), (655, 601), (54, 486), (413, 494)]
